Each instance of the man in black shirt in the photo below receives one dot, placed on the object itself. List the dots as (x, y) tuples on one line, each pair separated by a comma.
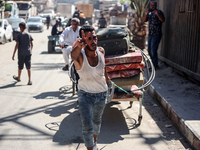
[(155, 18)]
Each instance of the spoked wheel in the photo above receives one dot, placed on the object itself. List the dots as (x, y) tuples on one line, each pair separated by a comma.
[(73, 77)]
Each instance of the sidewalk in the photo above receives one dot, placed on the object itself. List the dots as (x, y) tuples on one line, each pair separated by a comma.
[(180, 100)]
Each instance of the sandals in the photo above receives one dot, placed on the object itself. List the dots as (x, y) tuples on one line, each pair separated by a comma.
[(16, 78), (30, 83)]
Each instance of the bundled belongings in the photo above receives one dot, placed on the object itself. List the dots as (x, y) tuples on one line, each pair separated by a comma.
[(124, 66), (110, 68), (123, 73), (120, 94), (124, 59), (113, 40)]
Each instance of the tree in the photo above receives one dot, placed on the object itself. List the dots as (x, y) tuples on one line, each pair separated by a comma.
[(139, 29)]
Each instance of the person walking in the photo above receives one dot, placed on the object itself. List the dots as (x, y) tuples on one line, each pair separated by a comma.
[(89, 62), (24, 45), (68, 37), (102, 22), (155, 18), (48, 19)]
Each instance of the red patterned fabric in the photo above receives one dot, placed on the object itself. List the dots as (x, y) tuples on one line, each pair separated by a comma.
[(125, 58), (111, 68), (123, 95), (123, 73)]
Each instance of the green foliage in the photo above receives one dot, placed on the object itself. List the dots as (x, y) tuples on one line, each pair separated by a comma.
[(122, 1), (6, 5), (140, 6)]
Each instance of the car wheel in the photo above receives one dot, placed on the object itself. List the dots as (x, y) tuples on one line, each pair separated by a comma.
[(3, 40), (11, 38)]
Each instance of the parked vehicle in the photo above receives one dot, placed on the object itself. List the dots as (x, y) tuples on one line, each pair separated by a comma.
[(24, 9), (35, 24), (6, 32), (12, 11), (47, 12), (15, 25)]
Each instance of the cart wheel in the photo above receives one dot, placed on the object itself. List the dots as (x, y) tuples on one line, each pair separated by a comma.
[(73, 76), (51, 46), (139, 119)]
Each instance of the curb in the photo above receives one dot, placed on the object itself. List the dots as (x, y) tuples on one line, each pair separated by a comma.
[(180, 123)]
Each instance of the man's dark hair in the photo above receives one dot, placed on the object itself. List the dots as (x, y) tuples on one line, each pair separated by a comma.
[(86, 28), (22, 24), (153, 1)]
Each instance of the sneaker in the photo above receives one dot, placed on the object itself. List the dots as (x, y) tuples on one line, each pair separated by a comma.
[(16, 78), (29, 83), (65, 68), (95, 147)]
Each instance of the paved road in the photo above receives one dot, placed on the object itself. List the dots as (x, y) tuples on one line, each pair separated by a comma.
[(44, 115)]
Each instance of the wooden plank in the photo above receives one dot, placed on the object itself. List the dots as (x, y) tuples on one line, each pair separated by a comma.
[(135, 80), (125, 99)]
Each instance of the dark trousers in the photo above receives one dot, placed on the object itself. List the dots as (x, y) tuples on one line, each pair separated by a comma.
[(153, 42)]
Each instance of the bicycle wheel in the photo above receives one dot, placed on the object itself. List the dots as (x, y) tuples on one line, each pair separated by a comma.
[(73, 77)]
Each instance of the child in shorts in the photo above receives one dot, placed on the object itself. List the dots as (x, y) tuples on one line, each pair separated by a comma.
[(24, 45)]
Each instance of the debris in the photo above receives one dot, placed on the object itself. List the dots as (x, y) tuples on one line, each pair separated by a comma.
[(152, 121)]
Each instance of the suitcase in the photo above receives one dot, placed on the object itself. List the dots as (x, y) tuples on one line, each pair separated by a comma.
[(113, 40)]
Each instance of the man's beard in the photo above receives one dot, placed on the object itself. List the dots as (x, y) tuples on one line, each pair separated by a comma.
[(87, 47)]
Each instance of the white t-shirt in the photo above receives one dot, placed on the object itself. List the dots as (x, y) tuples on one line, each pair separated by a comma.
[(68, 36)]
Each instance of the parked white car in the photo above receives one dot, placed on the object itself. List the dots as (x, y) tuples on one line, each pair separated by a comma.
[(6, 31), (35, 24)]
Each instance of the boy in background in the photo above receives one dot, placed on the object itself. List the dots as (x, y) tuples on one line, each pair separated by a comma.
[(24, 45)]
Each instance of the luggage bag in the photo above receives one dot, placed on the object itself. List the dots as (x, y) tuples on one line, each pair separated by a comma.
[(113, 40)]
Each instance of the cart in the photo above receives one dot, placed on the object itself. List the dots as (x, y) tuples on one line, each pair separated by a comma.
[(53, 42), (142, 84), (135, 80)]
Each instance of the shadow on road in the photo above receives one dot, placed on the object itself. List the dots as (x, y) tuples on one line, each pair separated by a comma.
[(70, 129), (57, 51), (113, 125), (61, 94), (9, 86)]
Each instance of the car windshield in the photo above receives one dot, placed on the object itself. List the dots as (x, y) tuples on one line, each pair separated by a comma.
[(23, 6), (34, 20), (13, 21)]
